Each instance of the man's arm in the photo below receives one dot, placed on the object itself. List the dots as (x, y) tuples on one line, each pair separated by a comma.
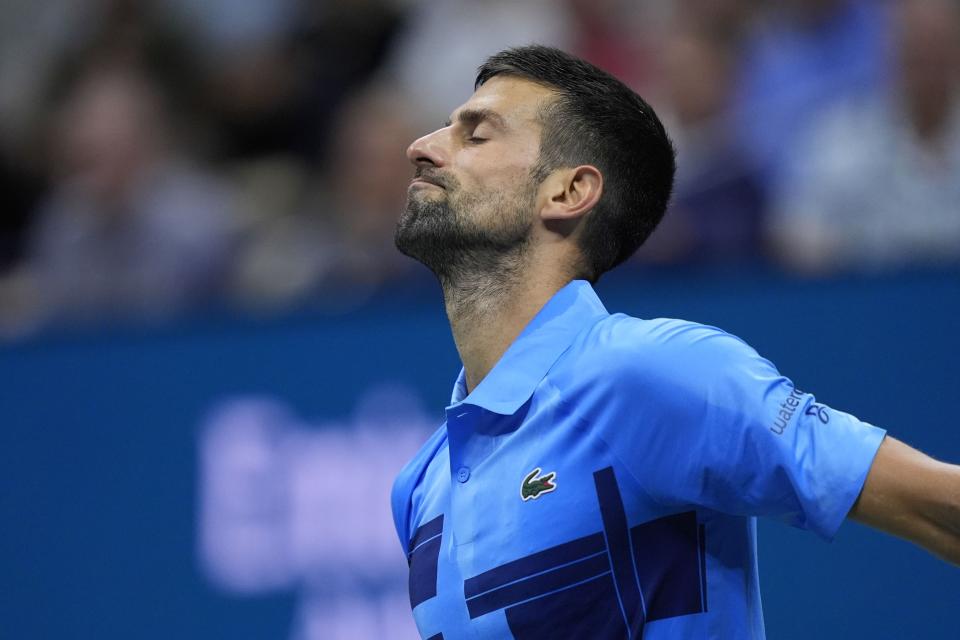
[(913, 496)]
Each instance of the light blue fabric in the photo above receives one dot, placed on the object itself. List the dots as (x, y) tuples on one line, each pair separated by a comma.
[(664, 438)]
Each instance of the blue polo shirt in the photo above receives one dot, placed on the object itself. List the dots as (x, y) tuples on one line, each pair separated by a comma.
[(602, 481)]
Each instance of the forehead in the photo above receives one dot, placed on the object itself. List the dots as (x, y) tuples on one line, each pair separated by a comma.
[(516, 100)]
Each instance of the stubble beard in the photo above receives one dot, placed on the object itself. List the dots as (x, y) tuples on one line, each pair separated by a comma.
[(443, 233)]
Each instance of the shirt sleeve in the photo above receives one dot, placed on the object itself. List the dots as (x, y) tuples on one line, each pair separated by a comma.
[(715, 425)]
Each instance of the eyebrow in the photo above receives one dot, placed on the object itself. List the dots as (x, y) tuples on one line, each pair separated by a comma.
[(476, 116)]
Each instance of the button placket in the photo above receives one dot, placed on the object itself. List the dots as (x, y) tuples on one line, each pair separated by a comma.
[(462, 440)]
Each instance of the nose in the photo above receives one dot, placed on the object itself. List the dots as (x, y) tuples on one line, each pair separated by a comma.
[(428, 150)]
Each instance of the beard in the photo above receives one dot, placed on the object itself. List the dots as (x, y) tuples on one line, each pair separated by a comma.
[(445, 232)]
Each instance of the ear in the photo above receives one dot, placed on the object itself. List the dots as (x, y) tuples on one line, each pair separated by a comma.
[(569, 194)]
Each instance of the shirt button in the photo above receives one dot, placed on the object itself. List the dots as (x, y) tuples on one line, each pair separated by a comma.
[(463, 474)]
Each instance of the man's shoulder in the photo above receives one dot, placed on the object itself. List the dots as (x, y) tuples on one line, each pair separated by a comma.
[(622, 349), (622, 339)]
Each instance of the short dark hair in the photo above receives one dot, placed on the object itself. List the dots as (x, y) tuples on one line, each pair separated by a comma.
[(598, 120)]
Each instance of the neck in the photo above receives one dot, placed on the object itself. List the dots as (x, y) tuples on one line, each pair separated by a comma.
[(488, 308)]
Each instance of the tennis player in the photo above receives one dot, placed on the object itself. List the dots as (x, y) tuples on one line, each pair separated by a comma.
[(598, 476)]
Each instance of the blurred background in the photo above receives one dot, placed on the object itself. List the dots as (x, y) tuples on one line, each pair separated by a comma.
[(213, 361)]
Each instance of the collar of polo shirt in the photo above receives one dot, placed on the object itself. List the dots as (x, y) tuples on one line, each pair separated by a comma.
[(547, 336)]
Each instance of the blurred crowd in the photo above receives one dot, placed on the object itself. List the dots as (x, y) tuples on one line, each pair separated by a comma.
[(162, 155)]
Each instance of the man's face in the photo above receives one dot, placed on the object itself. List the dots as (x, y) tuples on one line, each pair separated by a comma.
[(473, 195)]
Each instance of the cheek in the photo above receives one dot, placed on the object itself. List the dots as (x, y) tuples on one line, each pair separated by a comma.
[(486, 188), (504, 181), (493, 206), (494, 165)]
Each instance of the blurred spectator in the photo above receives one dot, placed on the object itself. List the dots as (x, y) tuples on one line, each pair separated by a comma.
[(435, 59), (802, 57), (877, 184), (278, 71), (129, 224), (19, 191), (617, 36), (123, 216), (717, 208), (367, 177), (33, 37), (341, 240), (728, 19)]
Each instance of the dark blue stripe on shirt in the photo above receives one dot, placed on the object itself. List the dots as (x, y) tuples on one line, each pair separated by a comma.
[(618, 543), (668, 556), (426, 531), (534, 563), (423, 571), (539, 585)]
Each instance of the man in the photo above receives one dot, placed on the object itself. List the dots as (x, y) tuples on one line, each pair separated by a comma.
[(868, 160), (597, 475)]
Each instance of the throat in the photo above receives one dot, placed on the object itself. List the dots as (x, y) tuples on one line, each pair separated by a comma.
[(474, 298), (488, 310), (480, 307)]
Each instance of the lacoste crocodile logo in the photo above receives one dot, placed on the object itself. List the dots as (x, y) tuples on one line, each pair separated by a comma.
[(534, 485)]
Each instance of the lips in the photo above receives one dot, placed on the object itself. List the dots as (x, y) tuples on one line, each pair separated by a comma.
[(420, 182), (425, 180)]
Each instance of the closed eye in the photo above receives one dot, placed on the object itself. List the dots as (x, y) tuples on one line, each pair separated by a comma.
[(476, 134), (469, 121)]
